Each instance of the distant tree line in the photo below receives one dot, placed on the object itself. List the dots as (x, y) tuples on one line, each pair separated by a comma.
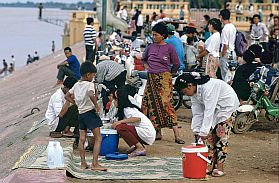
[(70, 6)]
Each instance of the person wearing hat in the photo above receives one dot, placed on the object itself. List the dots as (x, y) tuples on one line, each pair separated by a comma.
[(111, 74), (177, 44), (213, 103), (161, 61), (60, 115)]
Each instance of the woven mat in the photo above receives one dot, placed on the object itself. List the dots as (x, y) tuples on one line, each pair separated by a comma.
[(37, 124), (134, 168)]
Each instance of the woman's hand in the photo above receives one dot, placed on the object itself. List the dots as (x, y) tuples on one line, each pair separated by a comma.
[(114, 125)]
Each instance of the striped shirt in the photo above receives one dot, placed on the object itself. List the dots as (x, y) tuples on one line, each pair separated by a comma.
[(89, 35), (108, 70)]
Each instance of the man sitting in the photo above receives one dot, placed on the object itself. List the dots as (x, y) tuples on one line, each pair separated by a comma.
[(60, 114), (69, 67), (267, 73)]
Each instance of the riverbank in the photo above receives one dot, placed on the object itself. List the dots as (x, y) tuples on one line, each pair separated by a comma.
[(253, 157), (28, 87)]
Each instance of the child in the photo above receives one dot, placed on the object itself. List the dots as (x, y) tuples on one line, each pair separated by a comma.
[(133, 126), (83, 95), (191, 53), (240, 81)]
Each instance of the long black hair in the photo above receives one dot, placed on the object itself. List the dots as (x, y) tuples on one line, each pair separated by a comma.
[(123, 101), (195, 78)]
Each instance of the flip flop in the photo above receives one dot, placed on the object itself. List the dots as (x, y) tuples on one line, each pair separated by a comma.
[(138, 153), (217, 173), (179, 141), (129, 151)]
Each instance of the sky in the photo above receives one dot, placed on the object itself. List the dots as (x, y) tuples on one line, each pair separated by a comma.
[(38, 1)]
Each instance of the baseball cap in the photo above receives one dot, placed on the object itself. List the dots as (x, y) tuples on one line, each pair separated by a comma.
[(170, 27)]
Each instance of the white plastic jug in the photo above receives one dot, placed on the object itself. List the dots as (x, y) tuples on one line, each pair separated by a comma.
[(55, 156)]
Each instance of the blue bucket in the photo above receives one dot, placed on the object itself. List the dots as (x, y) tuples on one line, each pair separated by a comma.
[(110, 140)]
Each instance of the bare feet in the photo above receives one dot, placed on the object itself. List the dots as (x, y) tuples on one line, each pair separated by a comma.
[(84, 165), (98, 167)]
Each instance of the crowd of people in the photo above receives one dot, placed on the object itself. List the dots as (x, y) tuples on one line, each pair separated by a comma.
[(214, 99)]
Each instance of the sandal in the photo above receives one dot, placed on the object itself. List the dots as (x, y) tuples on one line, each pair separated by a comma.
[(129, 151), (217, 173), (179, 141), (138, 153)]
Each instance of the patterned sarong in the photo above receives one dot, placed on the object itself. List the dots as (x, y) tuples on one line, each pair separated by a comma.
[(157, 100)]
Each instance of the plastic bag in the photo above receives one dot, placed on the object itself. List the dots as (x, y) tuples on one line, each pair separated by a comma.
[(55, 155)]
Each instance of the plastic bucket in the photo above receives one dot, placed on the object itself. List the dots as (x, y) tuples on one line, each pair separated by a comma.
[(110, 140), (194, 161)]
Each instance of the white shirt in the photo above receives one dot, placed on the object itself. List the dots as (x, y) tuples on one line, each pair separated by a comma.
[(214, 102), (239, 8), (191, 53), (124, 14), (228, 36), (55, 104), (251, 10), (80, 91), (212, 44), (136, 44), (260, 30), (144, 128), (140, 20)]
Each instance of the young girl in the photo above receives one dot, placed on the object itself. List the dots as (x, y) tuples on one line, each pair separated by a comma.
[(83, 95), (133, 126), (213, 103), (212, 47)]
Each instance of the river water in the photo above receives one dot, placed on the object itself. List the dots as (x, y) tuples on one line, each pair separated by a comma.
[(21, 33)]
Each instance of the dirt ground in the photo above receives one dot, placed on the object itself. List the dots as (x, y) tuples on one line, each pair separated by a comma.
[(253, 156)]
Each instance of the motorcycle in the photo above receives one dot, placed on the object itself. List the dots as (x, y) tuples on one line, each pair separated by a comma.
[(247, 114)]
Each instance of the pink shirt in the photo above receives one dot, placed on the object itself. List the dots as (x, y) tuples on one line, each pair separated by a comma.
[(161, 58)]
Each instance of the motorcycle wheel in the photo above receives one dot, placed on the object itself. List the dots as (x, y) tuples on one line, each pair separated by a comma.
[(243, 122), (176, 99)]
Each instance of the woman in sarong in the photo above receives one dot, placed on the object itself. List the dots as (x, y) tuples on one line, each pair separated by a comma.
[(161, 61)]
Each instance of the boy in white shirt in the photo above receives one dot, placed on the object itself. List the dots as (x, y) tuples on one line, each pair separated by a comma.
[(191, 53), (83, 95), (228, 37)]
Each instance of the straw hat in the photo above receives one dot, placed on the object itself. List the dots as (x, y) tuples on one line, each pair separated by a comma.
[(104, 57)]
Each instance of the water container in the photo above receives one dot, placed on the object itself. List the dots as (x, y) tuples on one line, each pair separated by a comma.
[(194, 161), (55, 156), (110, 140)]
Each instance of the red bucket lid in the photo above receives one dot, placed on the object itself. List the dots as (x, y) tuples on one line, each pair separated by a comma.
[(194, 149)]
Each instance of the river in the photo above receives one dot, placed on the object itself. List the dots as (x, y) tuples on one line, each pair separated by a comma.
[(21, 33)]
